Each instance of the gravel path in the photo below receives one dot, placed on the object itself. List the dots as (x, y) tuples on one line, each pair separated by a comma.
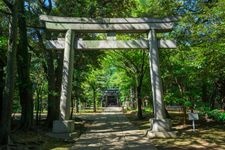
[(111, 130)]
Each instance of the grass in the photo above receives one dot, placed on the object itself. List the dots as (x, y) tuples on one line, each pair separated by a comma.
[(38, 140), (208, 135), (34, 140)]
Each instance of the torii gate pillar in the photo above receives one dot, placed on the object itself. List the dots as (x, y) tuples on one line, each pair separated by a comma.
[(64, 125), (160, 125)]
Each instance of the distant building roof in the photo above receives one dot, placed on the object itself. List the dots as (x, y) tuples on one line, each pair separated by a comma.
[(111, 92)]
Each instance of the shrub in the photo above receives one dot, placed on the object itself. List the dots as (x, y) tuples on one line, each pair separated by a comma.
[(216, 114)]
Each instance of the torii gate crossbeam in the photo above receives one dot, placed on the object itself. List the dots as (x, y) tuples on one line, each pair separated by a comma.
[(108, 44)]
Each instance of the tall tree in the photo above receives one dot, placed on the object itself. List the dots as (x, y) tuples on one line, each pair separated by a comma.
[(53, 73), (5, 122), (23, 65), (53, 67), (3, 49)]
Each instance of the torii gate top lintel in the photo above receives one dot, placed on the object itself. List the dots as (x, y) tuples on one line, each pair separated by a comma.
[(108, 24)]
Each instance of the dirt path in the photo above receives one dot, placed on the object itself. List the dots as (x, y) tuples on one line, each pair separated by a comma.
[(112, 130)]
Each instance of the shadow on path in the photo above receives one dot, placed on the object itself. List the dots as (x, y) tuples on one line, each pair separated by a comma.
[(111, 130)]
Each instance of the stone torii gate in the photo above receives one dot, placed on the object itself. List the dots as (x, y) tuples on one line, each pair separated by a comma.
[(160, 125)]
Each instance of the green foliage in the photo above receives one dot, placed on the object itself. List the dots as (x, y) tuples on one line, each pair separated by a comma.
[(38, 77), (92, 85), (3, 47), (3, 42), (127, 68), (194, 73), (155, 8), (94, 8), (148, 110), (216, 114)]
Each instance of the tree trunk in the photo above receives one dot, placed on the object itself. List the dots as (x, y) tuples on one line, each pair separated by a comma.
[(54, 86), (204, 92), (94, 100), (52, 108), (72, 108), (77, 90), (185, 115), (58, 75), (182, 90), (23, 63), (134, 97), (37, 107), (139, 97), (139, 103), (54, 82), (2, 65), (77, 104), (5, 124), (41, 107), (213, 99)]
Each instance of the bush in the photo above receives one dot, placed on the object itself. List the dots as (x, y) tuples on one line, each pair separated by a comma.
[(216, 114)]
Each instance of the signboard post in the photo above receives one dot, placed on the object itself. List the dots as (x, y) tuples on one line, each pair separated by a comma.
[(193, 117)]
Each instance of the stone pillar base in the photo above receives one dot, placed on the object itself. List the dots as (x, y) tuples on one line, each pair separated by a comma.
[(63, 126), (65, 136), (162, 134), (160, 124), (161, 128)]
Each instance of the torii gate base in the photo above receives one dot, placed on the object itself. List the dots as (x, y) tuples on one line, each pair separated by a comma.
[(63, 126), (161, 128), (160, 125)]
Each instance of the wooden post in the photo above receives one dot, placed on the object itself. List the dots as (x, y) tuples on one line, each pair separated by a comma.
[(67, 76)]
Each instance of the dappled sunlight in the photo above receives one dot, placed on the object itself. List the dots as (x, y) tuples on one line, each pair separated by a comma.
[(209, 136), (112, 130)]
